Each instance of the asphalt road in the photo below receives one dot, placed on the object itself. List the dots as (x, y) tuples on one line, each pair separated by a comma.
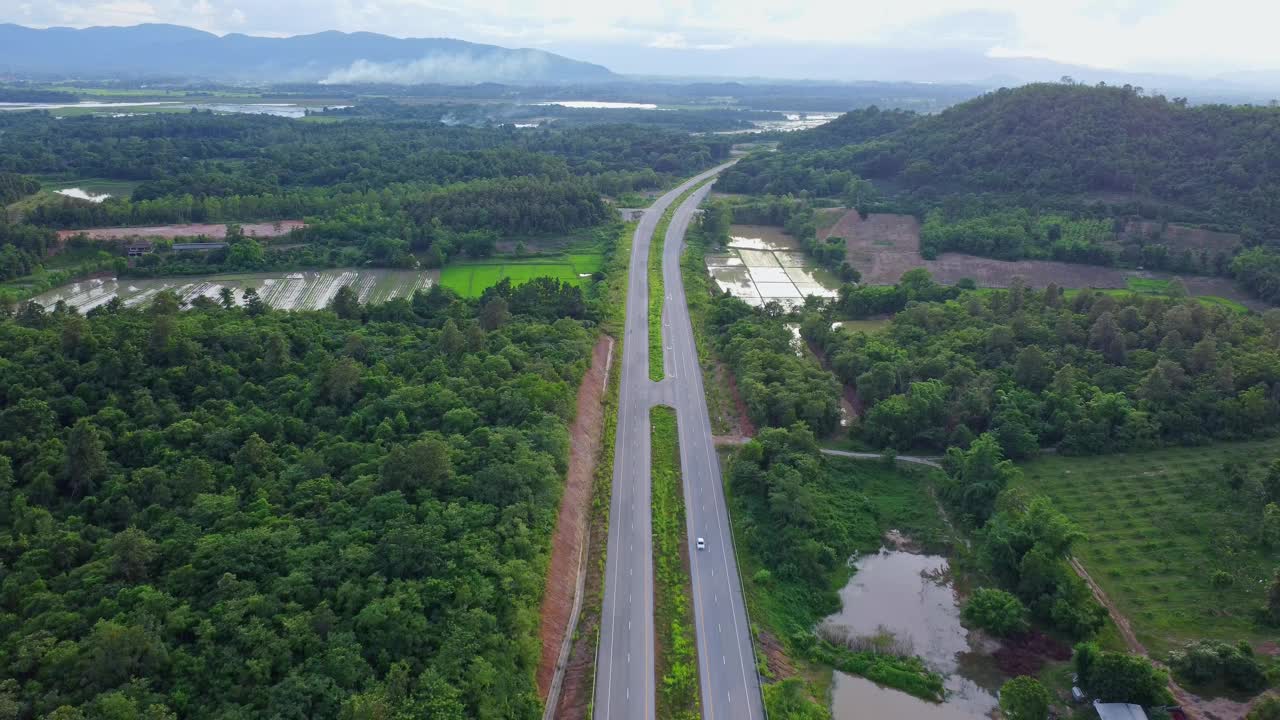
[(624, 688), (726, 662)]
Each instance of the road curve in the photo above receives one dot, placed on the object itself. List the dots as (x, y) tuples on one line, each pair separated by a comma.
[(624, 688), (726, 661)]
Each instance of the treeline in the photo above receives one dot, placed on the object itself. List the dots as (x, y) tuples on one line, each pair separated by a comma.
[(1209, 164), (234, 512), (15, 187), (778, 382), (225, 155), (1087, 373)]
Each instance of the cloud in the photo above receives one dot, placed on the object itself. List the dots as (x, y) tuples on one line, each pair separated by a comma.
[(1125, 34), (442, 68), (677, 41)]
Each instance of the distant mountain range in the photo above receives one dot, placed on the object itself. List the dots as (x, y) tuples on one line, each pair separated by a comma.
[(172, 50)]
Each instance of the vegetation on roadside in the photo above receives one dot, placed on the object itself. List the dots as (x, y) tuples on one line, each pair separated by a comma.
[(676, 663), (797, 516), (657, 291)]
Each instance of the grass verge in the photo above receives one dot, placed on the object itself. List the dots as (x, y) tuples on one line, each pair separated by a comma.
[(697, 290), (676, 650), (1175, 547), (656, 289)]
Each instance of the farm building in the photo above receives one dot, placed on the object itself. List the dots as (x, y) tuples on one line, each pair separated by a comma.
[(1119, 711)]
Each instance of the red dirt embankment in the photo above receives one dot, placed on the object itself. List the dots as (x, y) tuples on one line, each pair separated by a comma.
[(570, 535), (210, 230)]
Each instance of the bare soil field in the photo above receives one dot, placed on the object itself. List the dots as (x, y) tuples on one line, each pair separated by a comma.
[(884, 246), (568, 540), (209, 230), (1181, 237)]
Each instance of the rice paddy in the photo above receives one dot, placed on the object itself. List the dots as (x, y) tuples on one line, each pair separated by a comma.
[(470, 279), (309, 290), (763, 265)]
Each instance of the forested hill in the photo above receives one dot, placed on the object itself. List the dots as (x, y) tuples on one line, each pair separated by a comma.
[(1215, 164), (152, 49)]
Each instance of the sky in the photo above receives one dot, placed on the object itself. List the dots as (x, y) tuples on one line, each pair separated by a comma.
[(1194, 37)]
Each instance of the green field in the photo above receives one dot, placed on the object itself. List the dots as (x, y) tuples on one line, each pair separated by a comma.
[(470, 279), (1159, 525)]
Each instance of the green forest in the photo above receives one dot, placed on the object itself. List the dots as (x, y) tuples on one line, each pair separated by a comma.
[(233, 512), (1052, 171), (382, 190)]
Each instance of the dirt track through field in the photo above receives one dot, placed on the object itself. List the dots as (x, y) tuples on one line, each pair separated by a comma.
[(1197, 708), (569, 539)]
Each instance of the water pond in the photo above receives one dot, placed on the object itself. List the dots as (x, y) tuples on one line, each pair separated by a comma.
[(911, 597), (310, 290)]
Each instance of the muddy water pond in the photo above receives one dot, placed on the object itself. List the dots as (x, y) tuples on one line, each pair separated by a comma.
[(911, 597)]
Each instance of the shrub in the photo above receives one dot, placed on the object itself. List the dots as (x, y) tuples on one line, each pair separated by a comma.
[(995, 611), (1212, 661), (1024, 698)]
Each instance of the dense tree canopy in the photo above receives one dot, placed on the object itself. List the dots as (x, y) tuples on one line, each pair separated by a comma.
[(1088, 373), (225, 513)]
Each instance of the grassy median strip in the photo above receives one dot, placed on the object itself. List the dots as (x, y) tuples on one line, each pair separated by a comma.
[(676, 651), (656, 291)]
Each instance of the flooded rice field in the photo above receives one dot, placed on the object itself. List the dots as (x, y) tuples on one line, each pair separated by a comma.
[(911, 598), (82, 194), (763, 264), (601, 105), (310, 290)]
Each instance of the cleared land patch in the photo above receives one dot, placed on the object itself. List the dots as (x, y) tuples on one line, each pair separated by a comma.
[(1160, 524), (209, 230), (884, 246)]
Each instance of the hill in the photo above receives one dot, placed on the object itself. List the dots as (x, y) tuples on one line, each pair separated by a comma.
[(152, 50), (1061, 144)]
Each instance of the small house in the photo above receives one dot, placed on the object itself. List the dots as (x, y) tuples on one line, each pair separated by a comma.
[(1119, 711), (138, 248)]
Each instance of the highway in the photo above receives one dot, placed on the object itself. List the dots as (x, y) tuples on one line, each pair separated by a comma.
[(726, 662), (625, 684)]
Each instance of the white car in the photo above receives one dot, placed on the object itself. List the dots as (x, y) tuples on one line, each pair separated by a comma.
[(702, 544)]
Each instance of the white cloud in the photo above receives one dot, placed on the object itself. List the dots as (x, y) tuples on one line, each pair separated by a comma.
[(1126, 34)]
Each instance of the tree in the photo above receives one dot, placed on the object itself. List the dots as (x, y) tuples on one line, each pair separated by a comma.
[(1268, 708), (1124, 678), (977, 475), (494, 314), (227, 297), (996, 611), (131, 552), (86, 461), (1024, 698), (451, 340), (1271, 612), (253, 304), (346, 303)]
